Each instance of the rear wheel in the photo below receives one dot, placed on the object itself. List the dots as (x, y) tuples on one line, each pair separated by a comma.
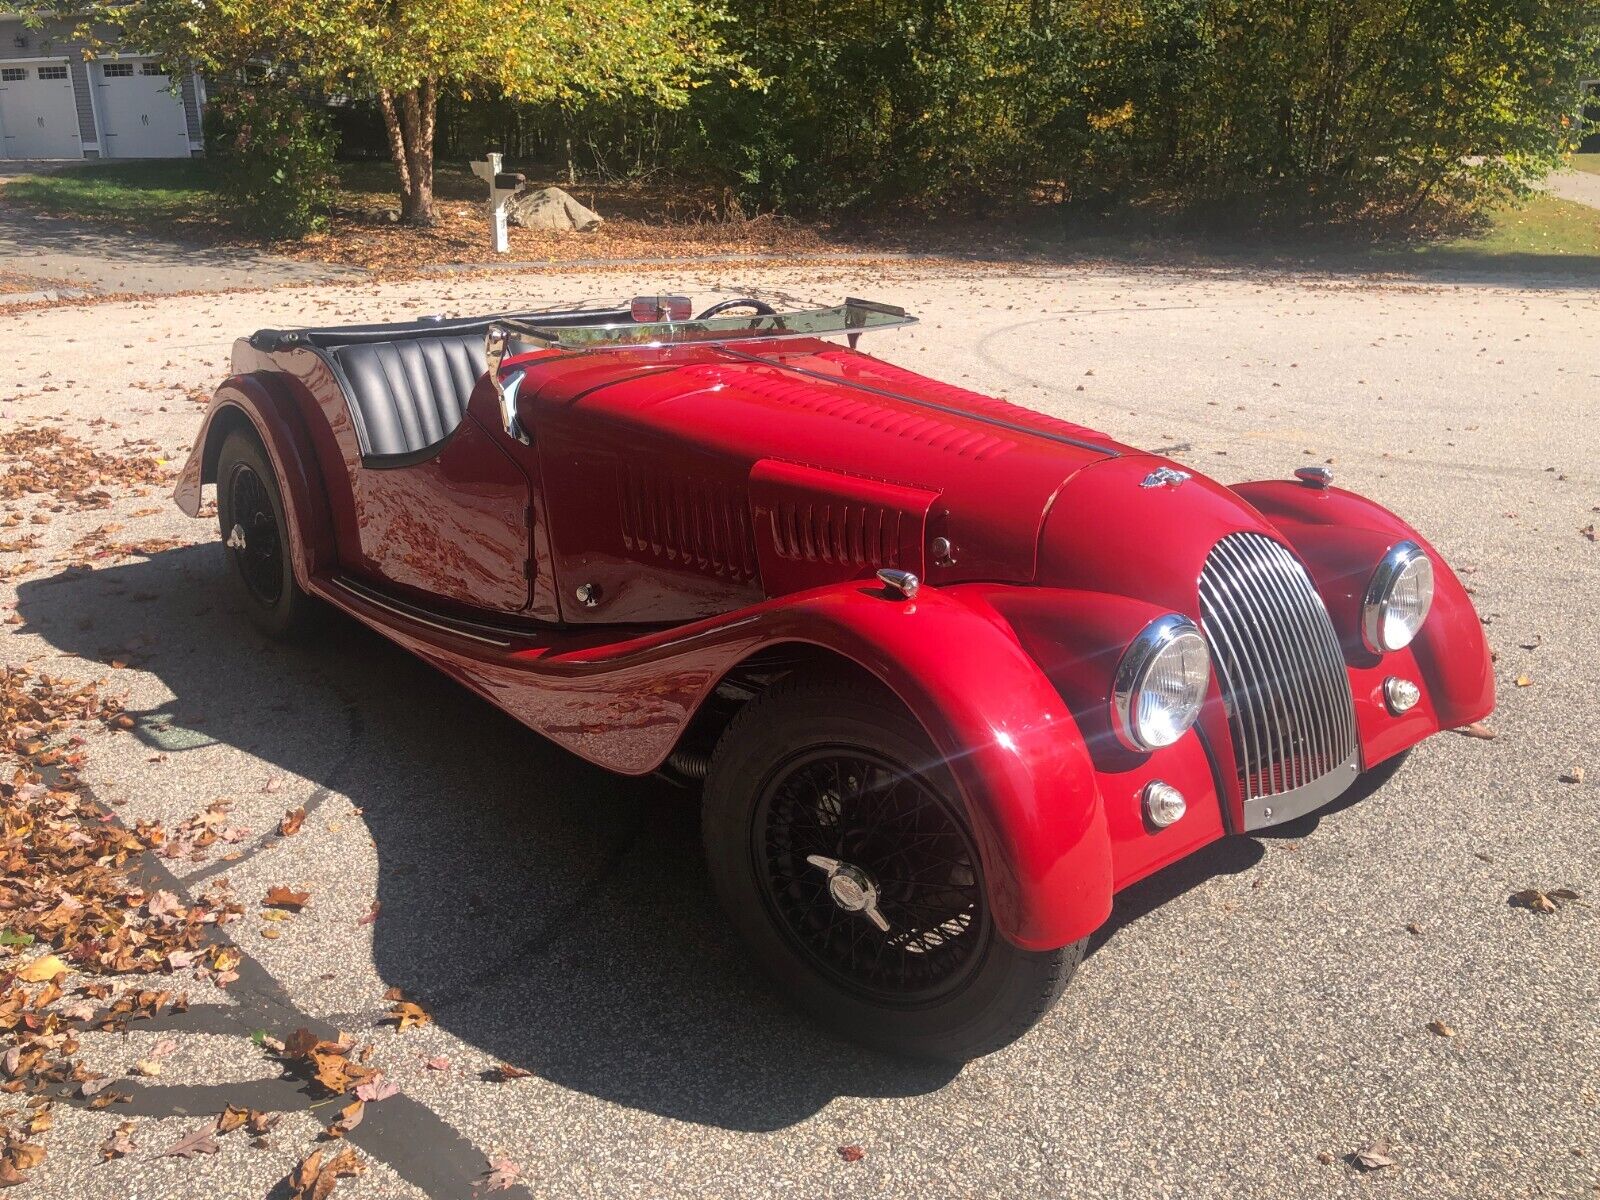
[(841, 851), (256, 539)]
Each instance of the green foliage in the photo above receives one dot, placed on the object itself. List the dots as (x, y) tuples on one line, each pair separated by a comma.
[(1240, 109), (276, 155)]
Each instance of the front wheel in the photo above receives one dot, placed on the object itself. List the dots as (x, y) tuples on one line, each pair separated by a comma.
[(840, 849)]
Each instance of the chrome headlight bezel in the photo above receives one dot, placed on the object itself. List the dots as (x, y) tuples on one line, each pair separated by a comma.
[(1171, 634), (1406, 561)]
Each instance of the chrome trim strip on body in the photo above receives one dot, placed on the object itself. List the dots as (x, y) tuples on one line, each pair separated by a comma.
[(948, 409), (1282, 676), (463, 629)]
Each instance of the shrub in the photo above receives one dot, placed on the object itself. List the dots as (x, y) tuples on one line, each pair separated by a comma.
[(277, 156)]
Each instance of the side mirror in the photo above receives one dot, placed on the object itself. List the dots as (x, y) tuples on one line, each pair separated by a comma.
[(498, 345)]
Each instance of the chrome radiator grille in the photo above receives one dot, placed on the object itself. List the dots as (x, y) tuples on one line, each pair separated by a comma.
[(1279, 666)]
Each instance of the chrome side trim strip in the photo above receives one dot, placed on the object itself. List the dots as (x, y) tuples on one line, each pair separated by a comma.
[(462, 629)]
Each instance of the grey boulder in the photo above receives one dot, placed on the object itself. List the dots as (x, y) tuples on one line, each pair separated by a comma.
[(550, 208)]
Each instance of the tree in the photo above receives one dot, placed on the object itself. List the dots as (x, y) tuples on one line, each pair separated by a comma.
[(405, 52)]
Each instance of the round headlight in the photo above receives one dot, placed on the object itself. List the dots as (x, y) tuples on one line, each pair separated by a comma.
[(1160, 683), (1398, 598)]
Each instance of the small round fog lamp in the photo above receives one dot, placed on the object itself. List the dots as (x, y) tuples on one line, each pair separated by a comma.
[(1401, 695), (1163, 803)]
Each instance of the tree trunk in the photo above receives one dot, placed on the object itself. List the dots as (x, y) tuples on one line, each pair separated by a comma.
[(408, 117)]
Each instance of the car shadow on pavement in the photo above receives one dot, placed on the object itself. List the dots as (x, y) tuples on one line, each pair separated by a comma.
[(548, 913)]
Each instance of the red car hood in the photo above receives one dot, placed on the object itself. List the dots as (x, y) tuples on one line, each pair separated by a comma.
[(997, 468)]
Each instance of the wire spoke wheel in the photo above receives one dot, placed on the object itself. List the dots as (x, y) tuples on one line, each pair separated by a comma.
[(253, 540), (869, 875)]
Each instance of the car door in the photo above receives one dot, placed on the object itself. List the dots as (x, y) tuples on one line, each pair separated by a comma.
[(441, 507), (454, 526)]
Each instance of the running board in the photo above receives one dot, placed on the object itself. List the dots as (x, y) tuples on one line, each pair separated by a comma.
[(483, 632)]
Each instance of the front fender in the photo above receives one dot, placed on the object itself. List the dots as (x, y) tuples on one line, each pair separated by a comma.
[(251, 400), (1003, 730), (1340, 537)]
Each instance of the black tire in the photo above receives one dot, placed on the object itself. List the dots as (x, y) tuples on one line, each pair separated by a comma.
[(259, 553), (963, 990)]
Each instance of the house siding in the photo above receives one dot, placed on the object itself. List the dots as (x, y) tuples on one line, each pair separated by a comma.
[(191, 108)]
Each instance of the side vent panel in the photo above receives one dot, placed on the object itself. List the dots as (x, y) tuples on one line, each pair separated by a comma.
[(698, 525), (814, 526)]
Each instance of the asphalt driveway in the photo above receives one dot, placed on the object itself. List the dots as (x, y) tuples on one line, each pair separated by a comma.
[(96, 257), (1248, 1021)]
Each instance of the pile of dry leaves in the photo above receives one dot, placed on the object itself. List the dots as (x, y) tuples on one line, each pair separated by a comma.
[(39, 460), (69, 908)]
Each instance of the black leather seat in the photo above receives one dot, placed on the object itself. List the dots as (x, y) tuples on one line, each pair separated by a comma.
[(408, 394)]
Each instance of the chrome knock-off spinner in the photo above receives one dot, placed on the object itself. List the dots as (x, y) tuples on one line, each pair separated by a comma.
[(851, 888)]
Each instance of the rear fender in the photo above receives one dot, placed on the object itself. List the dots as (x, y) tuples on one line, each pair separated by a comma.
[(1341, 537), (251, 400)]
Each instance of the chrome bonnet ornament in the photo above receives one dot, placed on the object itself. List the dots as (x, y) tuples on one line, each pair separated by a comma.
[(1165, 477)]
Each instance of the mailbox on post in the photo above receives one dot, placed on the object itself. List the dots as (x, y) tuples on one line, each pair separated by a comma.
[(502, 186)]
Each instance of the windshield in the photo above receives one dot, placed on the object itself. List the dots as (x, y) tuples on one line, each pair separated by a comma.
[(851, 317)]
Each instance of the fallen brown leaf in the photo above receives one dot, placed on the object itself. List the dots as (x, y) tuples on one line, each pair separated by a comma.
[(1478, 730), (501, 1174), (282, 897), (405, 1014), (505, 1073), (1573, 776), (198, 1142), (292, 820), (852, 1153), (1534, 900), (314, 1179), (24, 1155), (45, 967), (1441, 1029), (349, 1117), (377, 1088), (120, 1142), (1374, 1157)]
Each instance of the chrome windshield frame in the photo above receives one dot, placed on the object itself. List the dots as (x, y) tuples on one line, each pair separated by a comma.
[(849, 319)]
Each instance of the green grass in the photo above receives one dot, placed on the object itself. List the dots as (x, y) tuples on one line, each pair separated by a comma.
[(161, 191), (153, 191), (1546, 232), (1544, 235), (1586, 162)]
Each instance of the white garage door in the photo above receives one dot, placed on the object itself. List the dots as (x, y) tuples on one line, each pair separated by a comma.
[(142, 118), (38, 112)]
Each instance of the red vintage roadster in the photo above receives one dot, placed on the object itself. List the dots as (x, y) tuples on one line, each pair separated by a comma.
[(950, 672)]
